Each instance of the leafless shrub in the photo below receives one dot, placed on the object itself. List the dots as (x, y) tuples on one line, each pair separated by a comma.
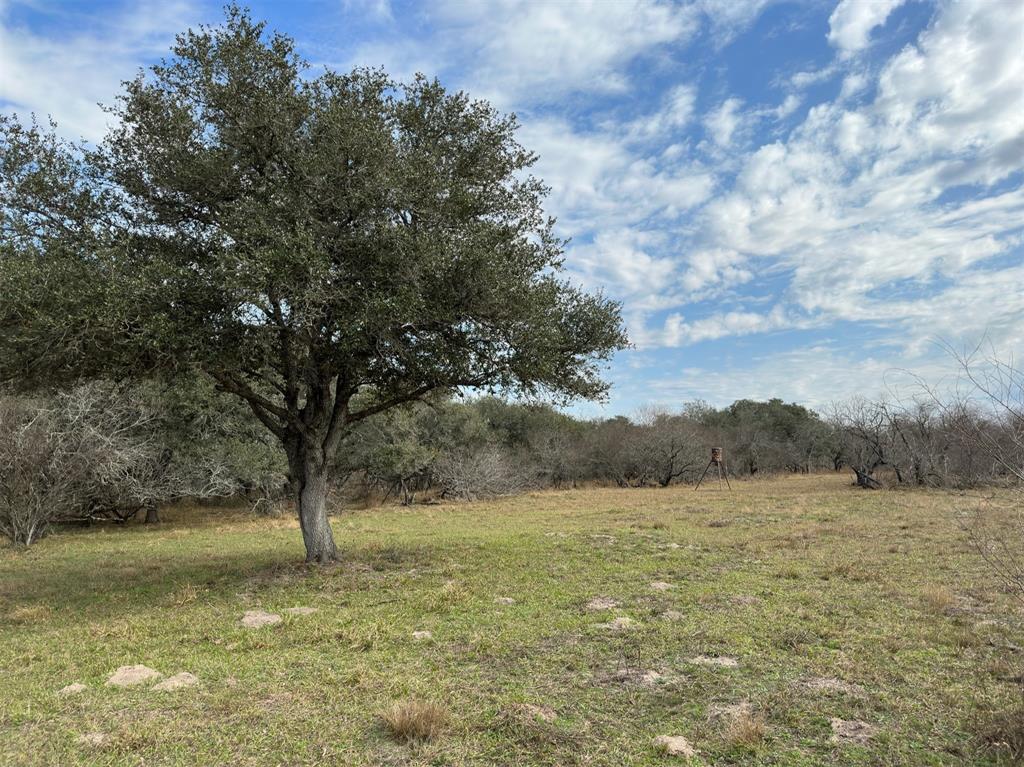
[(481, 473), (94, 451), (40, 470)]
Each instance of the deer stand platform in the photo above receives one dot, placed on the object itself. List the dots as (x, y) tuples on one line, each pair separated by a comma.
[(719, 463)]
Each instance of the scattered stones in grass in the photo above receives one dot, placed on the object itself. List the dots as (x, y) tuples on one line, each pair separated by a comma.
[(255, 619), (661, 586), (674, 745), (829, 684), (852, 731), (128, 676), (300, 610), (92, 739), (602, 603), (72, 689), (505, 600), (721, 661), (176, 682), (422, 636)]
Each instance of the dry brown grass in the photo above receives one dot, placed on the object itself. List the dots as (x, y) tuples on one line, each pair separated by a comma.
[(938, 599), (744, 728), (414, 719)]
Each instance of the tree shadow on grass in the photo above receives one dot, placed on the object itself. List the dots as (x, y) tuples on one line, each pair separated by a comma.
[(99, 580)]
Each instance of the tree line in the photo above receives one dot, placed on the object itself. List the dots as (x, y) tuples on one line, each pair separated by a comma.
[(106, 451)]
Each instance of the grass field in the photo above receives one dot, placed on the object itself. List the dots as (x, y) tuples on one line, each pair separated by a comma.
[(834, 603)]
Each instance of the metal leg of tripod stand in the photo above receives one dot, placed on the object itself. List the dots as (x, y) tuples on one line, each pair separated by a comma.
[(704, 474), (722, 468)]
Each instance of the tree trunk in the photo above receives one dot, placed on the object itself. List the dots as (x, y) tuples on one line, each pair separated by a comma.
[(312, 503), (152, 514)]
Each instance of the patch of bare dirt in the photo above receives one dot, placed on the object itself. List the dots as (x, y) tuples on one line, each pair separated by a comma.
[(618, 624), (661, 586), (718, 711), (852, 731), (602, 603), (635, 676), (255, 619), (675, 745), (829, 684), (72, 689), (720, 661), (176, 682)]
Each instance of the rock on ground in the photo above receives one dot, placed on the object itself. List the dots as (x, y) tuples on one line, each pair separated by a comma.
[(602, 603), (710, 660), (176, 682), (301, 610), (254, 619), (674, 745), (72, 689), (852, 731), (126, 676), (422, 635)]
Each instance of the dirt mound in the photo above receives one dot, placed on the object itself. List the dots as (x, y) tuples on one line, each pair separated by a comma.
[(128, 676)]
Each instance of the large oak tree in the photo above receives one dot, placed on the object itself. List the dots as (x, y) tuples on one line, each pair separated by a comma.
[(323, 247)]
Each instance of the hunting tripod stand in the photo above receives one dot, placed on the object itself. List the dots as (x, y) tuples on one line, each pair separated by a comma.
[(719, 462)]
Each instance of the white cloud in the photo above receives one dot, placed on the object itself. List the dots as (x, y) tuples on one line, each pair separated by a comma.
[(66, 76), (851, 22), (518, 53), (721, 123), (675, 114), (865, 206)]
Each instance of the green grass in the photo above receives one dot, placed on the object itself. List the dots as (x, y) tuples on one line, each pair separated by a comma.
[(795, 578)]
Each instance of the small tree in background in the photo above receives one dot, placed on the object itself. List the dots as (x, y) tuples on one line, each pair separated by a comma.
[(324, 248)]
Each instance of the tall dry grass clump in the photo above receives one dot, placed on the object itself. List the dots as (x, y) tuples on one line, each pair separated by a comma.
[(414, 719)]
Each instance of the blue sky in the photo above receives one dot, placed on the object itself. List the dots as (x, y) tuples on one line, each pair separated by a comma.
[(793, 199)]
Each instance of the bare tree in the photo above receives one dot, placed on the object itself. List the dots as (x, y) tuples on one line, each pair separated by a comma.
[(95, 451), (479, 473), (865, 438)]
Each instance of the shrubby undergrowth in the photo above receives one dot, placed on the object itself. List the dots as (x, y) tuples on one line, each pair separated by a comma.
[(103, 451)]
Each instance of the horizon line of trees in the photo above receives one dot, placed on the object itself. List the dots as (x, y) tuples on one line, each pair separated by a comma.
[(105, 451)]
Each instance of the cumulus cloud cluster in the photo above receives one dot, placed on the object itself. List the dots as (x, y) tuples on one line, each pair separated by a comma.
[(875, 191)]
